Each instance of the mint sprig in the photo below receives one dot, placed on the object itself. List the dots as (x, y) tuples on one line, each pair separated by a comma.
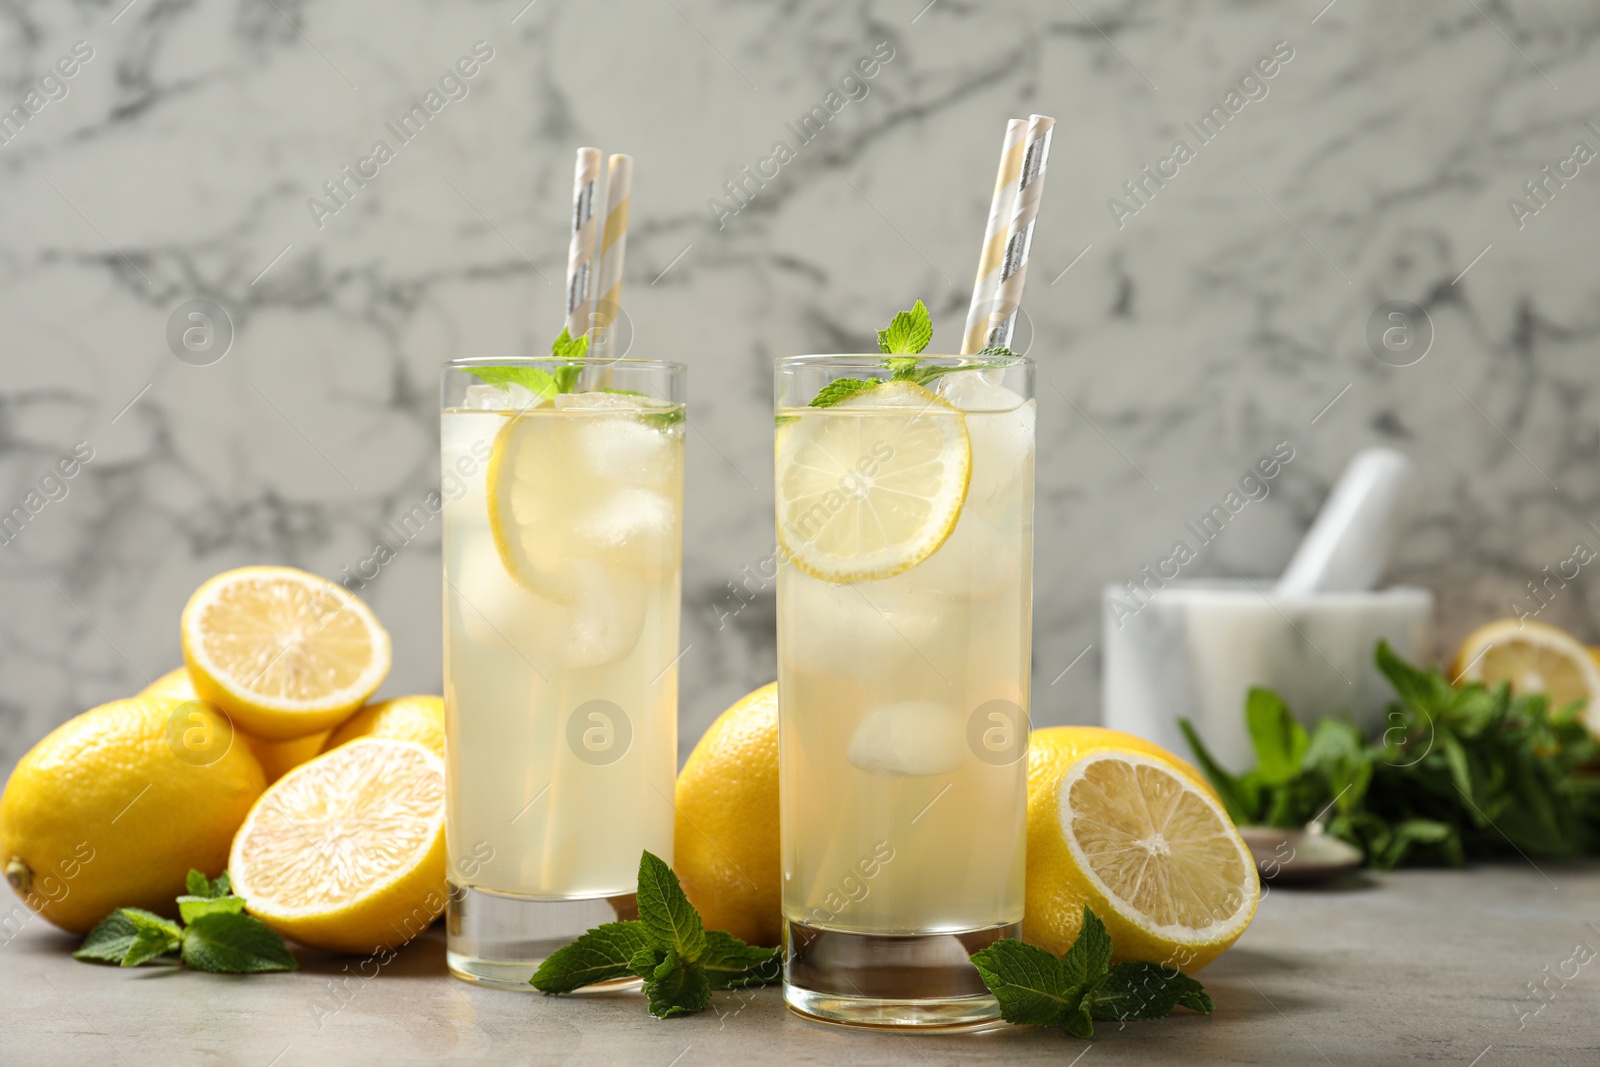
[(542, 383), (216, 935), (1035, 987), (668, 946), (906, 335)]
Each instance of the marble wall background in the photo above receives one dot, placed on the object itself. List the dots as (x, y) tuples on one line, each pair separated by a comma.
[(1224, 316)]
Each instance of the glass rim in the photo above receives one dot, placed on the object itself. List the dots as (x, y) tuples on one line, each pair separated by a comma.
[(874, 361), (464, 362)]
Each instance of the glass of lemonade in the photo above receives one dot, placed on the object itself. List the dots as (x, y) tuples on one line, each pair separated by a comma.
[(562, 572), (905, 523)]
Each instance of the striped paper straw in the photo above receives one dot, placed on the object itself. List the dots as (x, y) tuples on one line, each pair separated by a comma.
[(1019, 237), (994, 238), (580, 256), (613, 242)]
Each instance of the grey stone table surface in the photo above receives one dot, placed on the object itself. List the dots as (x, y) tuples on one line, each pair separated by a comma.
[(1406, 967)]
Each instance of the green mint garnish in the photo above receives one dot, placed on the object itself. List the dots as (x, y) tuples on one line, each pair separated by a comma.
[(908, 333), (839, 389), (216, 934), (906, 336), (542, 383), (668, 946), (1456, 772), (1035, 987), (199, 886)]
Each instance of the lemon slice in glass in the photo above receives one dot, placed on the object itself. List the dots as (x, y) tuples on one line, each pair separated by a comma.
[(872, 486), (285, 653)]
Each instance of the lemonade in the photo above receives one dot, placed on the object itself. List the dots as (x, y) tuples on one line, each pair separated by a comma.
[(904, 604), (562, 549)]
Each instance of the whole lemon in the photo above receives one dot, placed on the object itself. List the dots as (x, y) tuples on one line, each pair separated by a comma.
[(1059, 885), (410, 718), (277, 758), (725, 849), (114, 807)]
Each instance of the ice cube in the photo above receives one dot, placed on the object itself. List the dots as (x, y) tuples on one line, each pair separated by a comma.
[(634, 528), (911, 739), (511, 396), (859, 631), (598, 621), (1001, 427), (623, 450), (602, 623), (975, 562)]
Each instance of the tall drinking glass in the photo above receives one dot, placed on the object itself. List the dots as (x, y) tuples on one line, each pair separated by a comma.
[(562, 571), (905, 518)]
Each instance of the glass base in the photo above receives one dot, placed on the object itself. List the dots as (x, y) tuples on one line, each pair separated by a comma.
[(500, 940), (897, 981)]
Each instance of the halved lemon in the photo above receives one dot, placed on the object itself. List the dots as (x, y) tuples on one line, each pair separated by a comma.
[(872, 486), (1534, 657), (1140, 841), (346, 853), (285, 653)]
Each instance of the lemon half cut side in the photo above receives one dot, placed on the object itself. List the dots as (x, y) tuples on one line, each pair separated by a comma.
[(1159, 859), (347, 852), (283, 652)]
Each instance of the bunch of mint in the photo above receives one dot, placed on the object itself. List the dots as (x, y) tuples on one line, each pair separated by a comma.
[(901, 341), (1035, 987), (1458, 772), (216, 935), (668, 946)]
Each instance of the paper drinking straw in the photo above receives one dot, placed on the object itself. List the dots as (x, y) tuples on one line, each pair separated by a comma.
[(1019, 237), (580, 255), (613, 242), (994, 238)]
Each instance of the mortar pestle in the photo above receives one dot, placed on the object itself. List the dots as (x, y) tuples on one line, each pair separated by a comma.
[(1193, 649)]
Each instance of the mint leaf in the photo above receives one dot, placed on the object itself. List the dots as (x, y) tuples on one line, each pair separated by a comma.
[(198, 884), (1030, 983), (567, 346), (110, 939), (1145, 991), (901, 368), (997, 352), (601, 955), (840, 389), (677, 986), (1279, 739), (665, 911), (1236, 797), (234, 943), (731, 964), (192, 907), (221, 885), (1090, 954), (152, 936), (909, 331)]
